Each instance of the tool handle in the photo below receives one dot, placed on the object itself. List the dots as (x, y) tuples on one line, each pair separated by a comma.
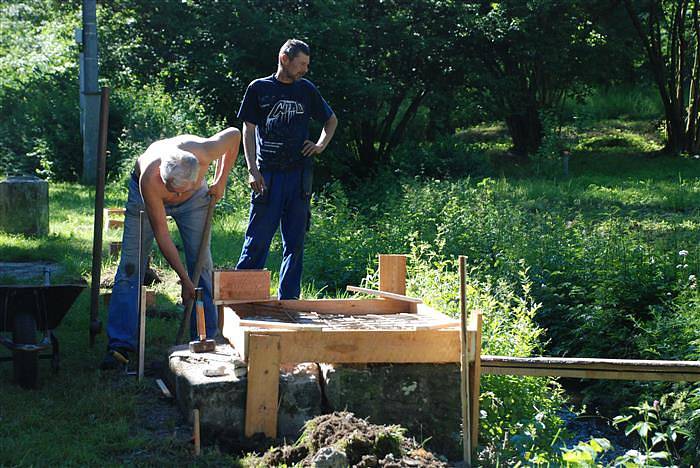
[(203, 246), (201, 321)]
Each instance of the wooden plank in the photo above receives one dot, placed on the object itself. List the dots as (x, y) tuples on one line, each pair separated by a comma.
[(225, 302), (329, 306), (278, 325), (593, 374), (583, 368), (236, 335), (263, 385), (384, 294), (241, 284), (392, 273), (475, 376), (150, 298), (361, 346), (637, 365)]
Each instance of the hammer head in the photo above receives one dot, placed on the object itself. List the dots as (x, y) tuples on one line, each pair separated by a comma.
[(202, 346)]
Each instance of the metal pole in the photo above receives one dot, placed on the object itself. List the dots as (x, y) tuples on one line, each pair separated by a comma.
[(95, 323), (90, 91), (141, 306)]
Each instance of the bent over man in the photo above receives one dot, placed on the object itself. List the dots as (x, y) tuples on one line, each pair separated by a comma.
[(168, 180), (276, 111)]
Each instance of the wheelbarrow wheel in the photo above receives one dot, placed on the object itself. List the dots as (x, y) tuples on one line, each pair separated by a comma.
[(26, 363)]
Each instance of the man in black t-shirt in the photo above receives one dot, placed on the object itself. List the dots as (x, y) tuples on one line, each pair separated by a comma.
[(276, 111)]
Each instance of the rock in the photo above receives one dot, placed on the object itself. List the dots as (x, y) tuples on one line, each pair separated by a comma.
[(424, 398), (24, 206), (330, 457), (216, 383)]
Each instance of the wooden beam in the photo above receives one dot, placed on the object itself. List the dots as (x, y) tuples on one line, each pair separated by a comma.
[(241, 284), (329, 306), (385, 295), (392, 273), (263, 385), (585, 368), (360, 346)]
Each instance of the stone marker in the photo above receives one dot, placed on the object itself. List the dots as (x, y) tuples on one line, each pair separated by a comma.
[(24, 206)]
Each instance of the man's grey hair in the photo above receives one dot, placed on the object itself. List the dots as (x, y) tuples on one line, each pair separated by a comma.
[(179, 167), (293, 47)]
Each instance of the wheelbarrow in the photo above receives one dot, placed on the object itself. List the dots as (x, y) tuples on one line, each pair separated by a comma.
[(25, 310)]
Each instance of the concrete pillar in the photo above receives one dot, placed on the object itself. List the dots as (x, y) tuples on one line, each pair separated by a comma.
[(24, 206)]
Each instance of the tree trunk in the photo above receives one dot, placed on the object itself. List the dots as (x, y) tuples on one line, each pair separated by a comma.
[(525, 131)]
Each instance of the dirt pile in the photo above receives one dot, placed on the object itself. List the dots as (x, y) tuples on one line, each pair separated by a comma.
[(341, 439)]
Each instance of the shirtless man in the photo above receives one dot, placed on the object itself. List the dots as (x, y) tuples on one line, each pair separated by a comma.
[(168, 180)]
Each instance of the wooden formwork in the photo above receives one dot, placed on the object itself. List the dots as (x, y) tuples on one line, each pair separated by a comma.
[(391, 328)]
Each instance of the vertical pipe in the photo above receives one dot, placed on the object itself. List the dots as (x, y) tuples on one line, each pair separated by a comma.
[(95, 324), (90, 91)]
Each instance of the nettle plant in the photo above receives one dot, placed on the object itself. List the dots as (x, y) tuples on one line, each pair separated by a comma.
[(657, 436)]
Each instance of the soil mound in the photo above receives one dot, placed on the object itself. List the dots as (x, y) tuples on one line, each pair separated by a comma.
[(341, 439)]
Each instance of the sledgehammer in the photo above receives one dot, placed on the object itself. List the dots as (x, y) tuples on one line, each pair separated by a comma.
[(202, 345)]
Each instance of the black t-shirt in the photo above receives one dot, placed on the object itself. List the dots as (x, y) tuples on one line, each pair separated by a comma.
[(281, 113)]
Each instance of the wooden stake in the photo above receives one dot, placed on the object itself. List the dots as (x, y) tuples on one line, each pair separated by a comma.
[(466, 426), (196, 433), (392, 274), (475, 377)]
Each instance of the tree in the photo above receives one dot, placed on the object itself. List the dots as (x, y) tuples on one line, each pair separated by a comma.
[(669, 31), (531, 56)]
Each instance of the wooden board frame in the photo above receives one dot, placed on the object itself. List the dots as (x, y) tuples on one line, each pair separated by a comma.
[(294, 343)]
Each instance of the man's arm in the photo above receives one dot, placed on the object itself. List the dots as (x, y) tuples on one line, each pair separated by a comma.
[(310, 148), (255, 178), (156, 215), (224, 146)]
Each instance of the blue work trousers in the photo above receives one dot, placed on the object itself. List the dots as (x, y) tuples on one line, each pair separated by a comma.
[(285, 203), (190, 216)]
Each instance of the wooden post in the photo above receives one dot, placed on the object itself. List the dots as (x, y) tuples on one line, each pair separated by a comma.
[(392, 273), (196, 433), (466, 426), (263, 385), (475, 376)]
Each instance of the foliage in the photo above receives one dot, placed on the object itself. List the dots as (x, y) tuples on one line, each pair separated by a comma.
[(39, 131), (534, 61), (656, 435), (669, 31)]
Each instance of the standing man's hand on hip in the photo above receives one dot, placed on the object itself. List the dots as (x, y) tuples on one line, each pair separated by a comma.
[(310, 148)]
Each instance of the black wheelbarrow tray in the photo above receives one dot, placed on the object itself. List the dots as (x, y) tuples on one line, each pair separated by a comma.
[(26, 309)]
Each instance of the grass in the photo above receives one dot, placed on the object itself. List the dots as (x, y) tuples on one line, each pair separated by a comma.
[(590, 243)]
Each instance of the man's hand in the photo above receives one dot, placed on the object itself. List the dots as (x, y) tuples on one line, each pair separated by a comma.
[(218, 190), (310, 148), (187, 290), (256, 181)]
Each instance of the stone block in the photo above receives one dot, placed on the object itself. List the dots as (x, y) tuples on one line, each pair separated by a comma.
[(222, 399), (423, 398), (24, 206)]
